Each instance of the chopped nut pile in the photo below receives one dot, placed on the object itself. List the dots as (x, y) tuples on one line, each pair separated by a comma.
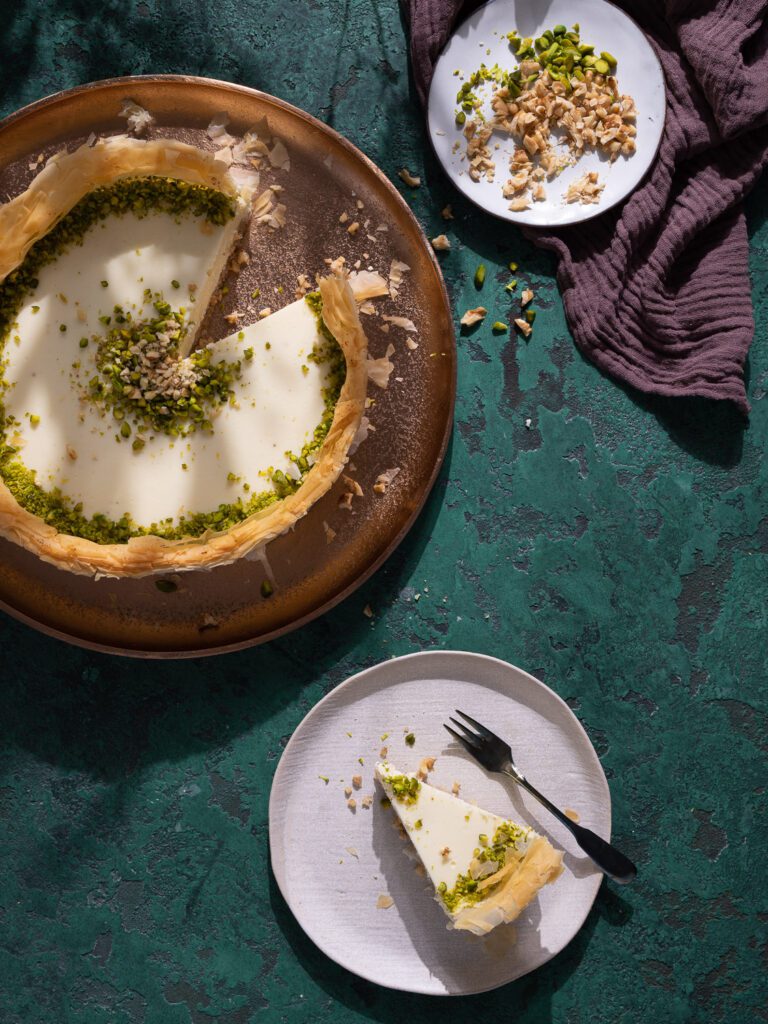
[(560, 92)]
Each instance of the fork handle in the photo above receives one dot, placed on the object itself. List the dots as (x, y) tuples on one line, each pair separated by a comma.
[(610, 860)]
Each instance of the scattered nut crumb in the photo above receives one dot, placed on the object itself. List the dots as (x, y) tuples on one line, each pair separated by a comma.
[(445, 852), (410, 179), (367, 801), (357, 781), (330, 533), (524, 327), (526, 297), (455, 788), (384, 902), (348, 792), (441, 242), (353, 228), (368, 611), (419, 869), (352, 803), (447, 212), (383, 753), (352, 852), (425, 767), (474, 316), (343, 218), (586, 190)]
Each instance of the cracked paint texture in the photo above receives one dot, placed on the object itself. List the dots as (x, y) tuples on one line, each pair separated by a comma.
[(616, 547)]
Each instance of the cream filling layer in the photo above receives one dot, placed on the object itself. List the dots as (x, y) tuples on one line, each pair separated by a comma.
[(278, 398), (447, 823)]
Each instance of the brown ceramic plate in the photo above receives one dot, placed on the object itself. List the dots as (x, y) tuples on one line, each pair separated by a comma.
[(212, 612)]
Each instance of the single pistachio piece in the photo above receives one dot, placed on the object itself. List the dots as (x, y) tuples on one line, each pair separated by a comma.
[(499, 327), (480, 276)]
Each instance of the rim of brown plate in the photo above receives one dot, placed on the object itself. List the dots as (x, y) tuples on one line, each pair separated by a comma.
[(119, 83)]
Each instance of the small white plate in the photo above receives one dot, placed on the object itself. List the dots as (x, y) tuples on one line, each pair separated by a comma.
[(639, 75), (332, 863)]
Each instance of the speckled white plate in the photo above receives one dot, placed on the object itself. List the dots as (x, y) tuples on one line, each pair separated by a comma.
[(332, 863), (608, 28)]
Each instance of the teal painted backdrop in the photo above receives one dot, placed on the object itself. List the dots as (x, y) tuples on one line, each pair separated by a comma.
[(617, 549)]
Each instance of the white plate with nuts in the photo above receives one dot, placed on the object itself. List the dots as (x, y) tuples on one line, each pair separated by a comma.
[(547, 114), (341, 863)]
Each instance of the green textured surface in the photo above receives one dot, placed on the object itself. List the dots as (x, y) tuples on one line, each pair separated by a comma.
[(617, 550)]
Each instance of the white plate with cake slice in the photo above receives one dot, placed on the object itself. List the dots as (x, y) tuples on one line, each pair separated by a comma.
[(345, 864)]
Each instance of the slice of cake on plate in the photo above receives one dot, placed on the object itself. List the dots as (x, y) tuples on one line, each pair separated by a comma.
[(485, 869)]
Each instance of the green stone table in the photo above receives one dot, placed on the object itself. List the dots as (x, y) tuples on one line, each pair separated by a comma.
[(617, 549)]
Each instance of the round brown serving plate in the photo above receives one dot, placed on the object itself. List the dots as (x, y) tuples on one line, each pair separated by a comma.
[(223, 610)]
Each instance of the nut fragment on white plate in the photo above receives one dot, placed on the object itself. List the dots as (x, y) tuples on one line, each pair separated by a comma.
[(425, 767), (384, 902), (474, 316), (367, 801), (586, 190), (441, 243), (410, 179), (456, 788)]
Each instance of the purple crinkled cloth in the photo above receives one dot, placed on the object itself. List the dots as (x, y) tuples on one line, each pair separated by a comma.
[(657, 290)]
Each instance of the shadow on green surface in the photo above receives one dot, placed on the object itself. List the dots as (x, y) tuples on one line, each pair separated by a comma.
[(108, 717), (529, 998)]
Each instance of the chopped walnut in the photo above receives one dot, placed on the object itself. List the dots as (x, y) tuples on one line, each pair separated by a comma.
[(440, 243), (410, 179), (352, 803), (352, 486), (383, 753), (353, 228), (474, 316), (526, 297), (367, 801), (343, 218), (384, 902), (445, 852), (456, 788), (425, 767), (524, 327), (357, 781), (347, 791), (586, 190)]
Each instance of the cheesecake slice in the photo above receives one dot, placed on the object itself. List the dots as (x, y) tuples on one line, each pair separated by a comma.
[(485, 869)]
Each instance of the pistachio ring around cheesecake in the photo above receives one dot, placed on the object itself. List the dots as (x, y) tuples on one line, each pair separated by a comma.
[(126, 448)]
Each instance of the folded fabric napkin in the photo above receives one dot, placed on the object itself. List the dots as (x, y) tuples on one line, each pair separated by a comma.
[(657, 291)]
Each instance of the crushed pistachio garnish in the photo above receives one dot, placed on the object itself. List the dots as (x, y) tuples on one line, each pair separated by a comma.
[(405, 788)]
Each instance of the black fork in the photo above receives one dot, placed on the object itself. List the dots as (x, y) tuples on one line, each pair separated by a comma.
[(496, 756)]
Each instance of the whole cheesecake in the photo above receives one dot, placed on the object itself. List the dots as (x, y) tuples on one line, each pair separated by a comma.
[(129, 448)]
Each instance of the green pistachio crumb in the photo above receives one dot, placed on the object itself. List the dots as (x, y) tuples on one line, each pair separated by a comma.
[(248, 354), (267, 590), (418, 824), (410, 739), (62, 328), (34, 420), (480, 276), (83, 343), (35, 309), (498, 327), (105, 284)]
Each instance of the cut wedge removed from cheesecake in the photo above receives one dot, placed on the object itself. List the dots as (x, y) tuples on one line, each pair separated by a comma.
[(485, 869)]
